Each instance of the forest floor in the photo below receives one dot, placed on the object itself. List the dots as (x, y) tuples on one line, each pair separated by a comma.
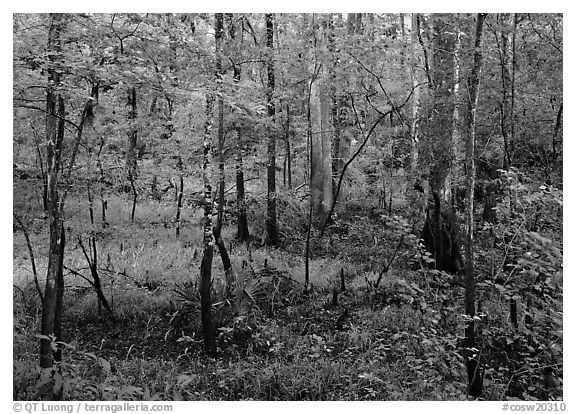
[(400, 340)]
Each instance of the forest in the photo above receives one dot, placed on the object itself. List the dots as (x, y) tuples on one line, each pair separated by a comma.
[(268, 206)]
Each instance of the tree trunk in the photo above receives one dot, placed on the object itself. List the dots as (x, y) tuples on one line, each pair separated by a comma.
[(416, 80), (471, 354), (208, 327), (179, 205), (131, 163), (243, 233), (438, 145), (55, 112), (219, 32), (456, 140), (288, 168), (335, 102), (271, 223), (327, 182), (440, 128), (59, 308), (508, 24), (321, 185), (315, 115)]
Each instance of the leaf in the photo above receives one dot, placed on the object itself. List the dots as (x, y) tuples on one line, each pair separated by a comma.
[(105, 365), (185, 379)]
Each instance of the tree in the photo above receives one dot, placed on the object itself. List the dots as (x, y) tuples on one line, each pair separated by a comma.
[(475, 375), (271, 222), (416, 77), (321, 187), (235, 55), (508, 23), (55, 116), (208, 327), (439, 228), (132, 142), (219, 34)]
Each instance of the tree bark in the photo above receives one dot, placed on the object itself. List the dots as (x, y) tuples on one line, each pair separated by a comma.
[(271, 238), (471, 354)]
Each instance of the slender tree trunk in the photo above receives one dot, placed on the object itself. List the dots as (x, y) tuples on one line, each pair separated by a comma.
[(243, 233), (134, 195), (335, 102), (416, 78), (327, 181), (321, 143), (58, 334), (513, 83), (31, 253), (288, 150), (456, 144), (471, 354), (271, 223), (316, 176), (52, 303), (507, 36), (208, 327), (55, 113), (131, 163), (179, 205), (219, 33)]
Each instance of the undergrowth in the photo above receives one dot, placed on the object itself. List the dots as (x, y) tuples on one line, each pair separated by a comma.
[(399, 340)]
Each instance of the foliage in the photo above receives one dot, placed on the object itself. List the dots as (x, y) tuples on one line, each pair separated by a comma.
[(376, 322)]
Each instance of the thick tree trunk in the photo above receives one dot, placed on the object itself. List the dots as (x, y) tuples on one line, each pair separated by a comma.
[(271, 237), (438, 144), (440, 127), (471, 354)]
